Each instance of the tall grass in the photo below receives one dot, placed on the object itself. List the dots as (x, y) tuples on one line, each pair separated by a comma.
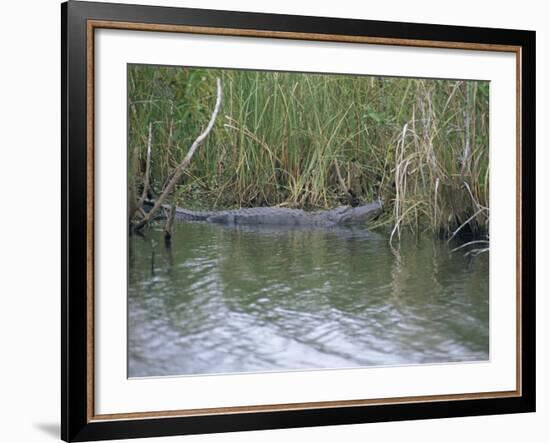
[(318, 140)]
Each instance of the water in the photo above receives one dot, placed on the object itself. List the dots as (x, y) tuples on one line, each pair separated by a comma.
[(224, 300)]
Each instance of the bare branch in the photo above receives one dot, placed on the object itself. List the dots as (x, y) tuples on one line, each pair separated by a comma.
[(470, 243), (185, 162), (339, 175), (479, 211)]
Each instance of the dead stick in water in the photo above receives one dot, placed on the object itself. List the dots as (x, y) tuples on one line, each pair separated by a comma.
[(168, 226)]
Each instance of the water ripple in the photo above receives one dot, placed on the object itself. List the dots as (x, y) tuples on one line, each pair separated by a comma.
[(238, 300)]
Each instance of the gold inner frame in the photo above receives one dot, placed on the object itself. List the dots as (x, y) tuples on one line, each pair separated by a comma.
[(96, 24)]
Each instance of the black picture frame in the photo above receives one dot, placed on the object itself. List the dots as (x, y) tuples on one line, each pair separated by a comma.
[(77, 423)]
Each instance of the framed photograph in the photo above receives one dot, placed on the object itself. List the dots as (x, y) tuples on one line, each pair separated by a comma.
[(276, 221)]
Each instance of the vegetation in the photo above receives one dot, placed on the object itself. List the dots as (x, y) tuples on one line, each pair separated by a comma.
[(316, 141)]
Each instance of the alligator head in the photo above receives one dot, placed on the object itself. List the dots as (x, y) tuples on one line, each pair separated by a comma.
[(360, 213)]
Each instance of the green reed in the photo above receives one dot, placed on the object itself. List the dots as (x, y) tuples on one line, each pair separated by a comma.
[(317, 140)]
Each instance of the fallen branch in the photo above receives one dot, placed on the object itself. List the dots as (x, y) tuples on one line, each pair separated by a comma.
[(176, 176)]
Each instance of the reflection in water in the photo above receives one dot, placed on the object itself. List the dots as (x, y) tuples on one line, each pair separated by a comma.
[(227, 300)]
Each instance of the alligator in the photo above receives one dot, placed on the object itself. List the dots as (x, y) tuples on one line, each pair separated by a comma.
[(280, 216)]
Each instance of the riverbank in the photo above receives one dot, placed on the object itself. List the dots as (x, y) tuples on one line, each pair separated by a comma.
[(317, 141)]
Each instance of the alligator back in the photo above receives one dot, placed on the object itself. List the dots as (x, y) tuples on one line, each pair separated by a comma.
[(277, 216), (273, 216)]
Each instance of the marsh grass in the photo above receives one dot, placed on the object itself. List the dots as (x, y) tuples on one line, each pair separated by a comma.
[(318, 140)]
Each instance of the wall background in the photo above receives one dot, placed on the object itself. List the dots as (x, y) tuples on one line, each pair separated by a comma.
[(29, 242)]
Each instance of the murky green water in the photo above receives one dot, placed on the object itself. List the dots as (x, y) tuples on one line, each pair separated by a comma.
[(224, 300)]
